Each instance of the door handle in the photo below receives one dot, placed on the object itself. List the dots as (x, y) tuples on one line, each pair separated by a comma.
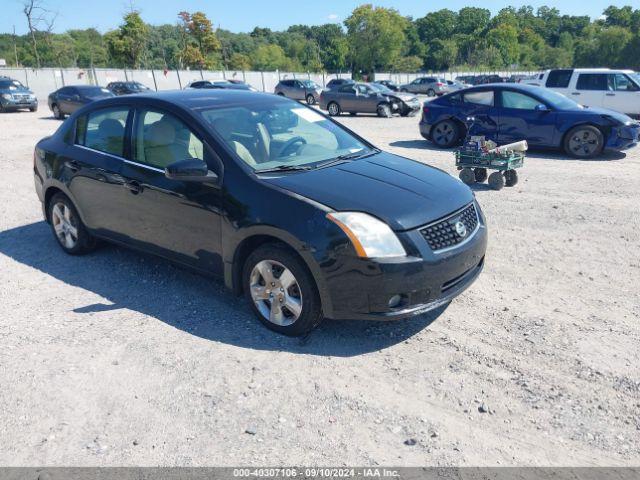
[(133, 186), (610, 94), (575, 93), (72, 165)]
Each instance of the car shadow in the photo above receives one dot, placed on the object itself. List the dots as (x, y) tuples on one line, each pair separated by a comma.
[(189, 302), (420, 144), (50, 117)]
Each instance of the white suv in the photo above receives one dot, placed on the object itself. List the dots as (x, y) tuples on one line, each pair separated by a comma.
[(596, 87)]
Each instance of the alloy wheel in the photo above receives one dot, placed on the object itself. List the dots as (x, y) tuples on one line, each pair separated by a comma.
[(583, 143), (333, 109), (443, 134), (65, 225), (275, 292)]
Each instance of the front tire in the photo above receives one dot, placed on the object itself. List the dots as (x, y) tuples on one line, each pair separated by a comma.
[(496, 181), (33, 109), (57, 113), (311, 100), (384, 110), (334, 109), (67, 227), (281, 290), (467, 176), (584, 141), (431, 92)]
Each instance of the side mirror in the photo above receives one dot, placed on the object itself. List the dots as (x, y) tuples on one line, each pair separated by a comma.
[(541, 107), (190, 170)]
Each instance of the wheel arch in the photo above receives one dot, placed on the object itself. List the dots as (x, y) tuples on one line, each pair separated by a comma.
[(605, 131), (259, 237)]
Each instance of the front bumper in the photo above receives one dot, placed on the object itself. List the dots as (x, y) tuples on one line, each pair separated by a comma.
[(360, 289), (18, 104), (623, 137)]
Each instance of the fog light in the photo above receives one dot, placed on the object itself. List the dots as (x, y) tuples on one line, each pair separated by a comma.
[(395, 301)]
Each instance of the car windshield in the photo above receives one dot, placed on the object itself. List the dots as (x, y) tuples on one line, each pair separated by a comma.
[(310, 84), (636, 77), (557, 100), (137, 86), (378, 87), (282, 135), (10, 84)]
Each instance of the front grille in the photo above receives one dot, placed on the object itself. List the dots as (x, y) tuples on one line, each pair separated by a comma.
[(19, 97), (447, 233)]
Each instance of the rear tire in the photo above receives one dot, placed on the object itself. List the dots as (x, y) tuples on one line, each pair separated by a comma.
[(67, 227), (496, 181), (431, 92), (467, 176), (584, 141), (445, 134), (264, 283), (33, 109), (334, 109), (384, 110), (280, 94)]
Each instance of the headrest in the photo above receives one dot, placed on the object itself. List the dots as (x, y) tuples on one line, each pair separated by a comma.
[(160, 133), (110, 127)]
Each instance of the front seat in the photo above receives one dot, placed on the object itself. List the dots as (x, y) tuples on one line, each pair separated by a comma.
[(161, 147), (225, 129), (110, 136)]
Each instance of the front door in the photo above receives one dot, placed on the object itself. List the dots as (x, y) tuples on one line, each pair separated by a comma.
[(176, 219), (623, 94), (590, 89), (520, 119)]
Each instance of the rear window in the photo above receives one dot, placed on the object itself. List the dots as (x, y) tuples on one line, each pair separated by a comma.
[(559, 78), (484, 97), (592, 81)]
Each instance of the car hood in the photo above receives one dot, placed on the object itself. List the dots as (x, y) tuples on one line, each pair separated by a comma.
[(405, 97), (620, 117), (15, 90), (402, 192)]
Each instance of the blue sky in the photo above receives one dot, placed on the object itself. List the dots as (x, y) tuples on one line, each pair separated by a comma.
[(243, 15)]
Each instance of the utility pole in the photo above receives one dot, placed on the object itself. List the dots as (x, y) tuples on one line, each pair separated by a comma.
[(15, 46)]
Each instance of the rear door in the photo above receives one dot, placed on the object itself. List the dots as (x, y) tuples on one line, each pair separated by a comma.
[(623, 94), (590, 89), (481, 105), (172, 218), (520, 120), (65, 99), (94, 163), (346, 96)]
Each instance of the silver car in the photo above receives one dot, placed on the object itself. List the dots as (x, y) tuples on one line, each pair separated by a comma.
[(306, 90), (368, 98), (431, 86)]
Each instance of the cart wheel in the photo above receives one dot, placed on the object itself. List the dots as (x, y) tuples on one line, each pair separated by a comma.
[(511, 178), (481, 174), (467, 176), (496, 181)]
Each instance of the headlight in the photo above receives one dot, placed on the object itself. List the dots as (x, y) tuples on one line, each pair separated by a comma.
[(7, 96), (370, 237)]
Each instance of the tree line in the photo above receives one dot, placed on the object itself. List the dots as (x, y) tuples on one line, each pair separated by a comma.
[(370, 39)]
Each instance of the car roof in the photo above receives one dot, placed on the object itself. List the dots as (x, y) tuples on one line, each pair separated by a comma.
[(198, 99)]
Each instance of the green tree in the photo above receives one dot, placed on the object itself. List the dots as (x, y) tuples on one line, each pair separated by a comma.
[(408, 64), (239, 61), (376, 36), (200, 43), (504, 38), (126, 45), (439, 24), (270, 57)]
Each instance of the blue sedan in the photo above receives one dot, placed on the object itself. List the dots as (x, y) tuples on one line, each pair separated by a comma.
[(546, 119)]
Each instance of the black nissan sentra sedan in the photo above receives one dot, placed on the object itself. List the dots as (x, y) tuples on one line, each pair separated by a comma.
[(303, 216)]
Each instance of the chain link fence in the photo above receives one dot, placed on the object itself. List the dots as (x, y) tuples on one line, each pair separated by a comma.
[(46, 80)]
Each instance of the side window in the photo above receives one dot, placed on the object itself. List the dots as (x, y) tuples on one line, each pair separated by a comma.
[(103, 130), (592, 81), (484, 97), (559, 78), (347, 89), (621, 83), (162, 139), (518, 101)]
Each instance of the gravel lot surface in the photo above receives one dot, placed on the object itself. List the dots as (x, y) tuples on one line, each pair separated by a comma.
[(117, 358)]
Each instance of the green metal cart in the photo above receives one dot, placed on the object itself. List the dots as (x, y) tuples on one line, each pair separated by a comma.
[(473, 166)]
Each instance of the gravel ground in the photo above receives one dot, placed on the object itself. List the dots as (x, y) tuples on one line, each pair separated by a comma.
[(122, 359)]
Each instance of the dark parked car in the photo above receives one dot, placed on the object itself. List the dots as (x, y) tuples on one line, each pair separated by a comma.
[(15, 96), (127, 88), (389, 84), (338, 82), (507, 113), (368, 98), (67, 100), (223, 84), (306, 90), (303, 216)]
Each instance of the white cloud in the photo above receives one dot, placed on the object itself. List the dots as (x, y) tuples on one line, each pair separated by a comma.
[(333, 17)]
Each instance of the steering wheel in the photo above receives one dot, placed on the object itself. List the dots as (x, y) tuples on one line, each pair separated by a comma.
[(289, 144)]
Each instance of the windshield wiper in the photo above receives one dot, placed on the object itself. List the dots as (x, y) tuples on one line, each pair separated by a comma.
[(284, 168), (348, 156)]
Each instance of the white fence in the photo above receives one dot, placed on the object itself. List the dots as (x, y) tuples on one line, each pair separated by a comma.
[(46, 80)]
